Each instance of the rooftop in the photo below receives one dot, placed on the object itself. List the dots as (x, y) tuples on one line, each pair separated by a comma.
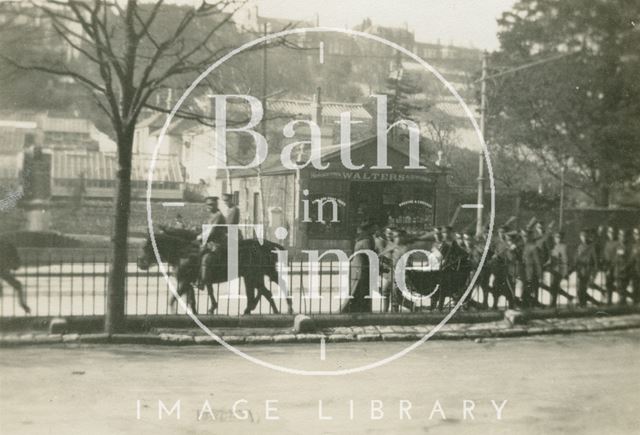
[(100, 166)]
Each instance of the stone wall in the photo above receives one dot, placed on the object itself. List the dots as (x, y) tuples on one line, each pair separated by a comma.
[(96, 217)]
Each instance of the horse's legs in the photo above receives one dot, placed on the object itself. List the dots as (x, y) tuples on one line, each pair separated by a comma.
[(173, 303), (173, 300), (441, 298), (191, 298), (275, 277), (485, 295), (252, 301), (212, 298), (17, 287), (250, 286), (263, 291), (496, 291)]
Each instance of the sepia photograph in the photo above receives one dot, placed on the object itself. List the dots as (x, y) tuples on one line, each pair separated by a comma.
[(319, 216)]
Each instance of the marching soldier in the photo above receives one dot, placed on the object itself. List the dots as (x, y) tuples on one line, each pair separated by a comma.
[(608, 256), (599, 242), (453, 255), (468, 243), (635, 269), (384, 248), (544, 240), (585, 266), (475, 248), (454, 266), (178, 223), (359, 303), (558, 266), (400, 247), (504, 266), (532, 270), (622, 265)]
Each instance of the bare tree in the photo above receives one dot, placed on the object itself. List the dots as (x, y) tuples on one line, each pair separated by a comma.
[(133, 51)]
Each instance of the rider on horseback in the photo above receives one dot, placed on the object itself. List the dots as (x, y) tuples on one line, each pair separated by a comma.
[(215, 241)]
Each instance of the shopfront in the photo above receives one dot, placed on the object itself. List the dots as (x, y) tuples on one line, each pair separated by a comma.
[(322, 209)]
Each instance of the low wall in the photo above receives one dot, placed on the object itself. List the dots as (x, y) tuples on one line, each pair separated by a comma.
[(91, 324), (96, 217)]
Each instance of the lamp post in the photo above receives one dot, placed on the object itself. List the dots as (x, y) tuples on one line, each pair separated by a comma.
[(483, 108), (562, 171), (566, 161)]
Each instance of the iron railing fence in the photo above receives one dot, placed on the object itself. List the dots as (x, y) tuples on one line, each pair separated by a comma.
[(68, 282)]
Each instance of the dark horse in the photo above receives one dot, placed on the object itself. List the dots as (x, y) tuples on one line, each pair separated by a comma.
[(180, 250), (10, 261), (439, 285)]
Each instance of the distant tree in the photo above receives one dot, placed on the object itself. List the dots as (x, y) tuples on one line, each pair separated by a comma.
[(400, 87), (129, 51), (442, 138), (585, 105)]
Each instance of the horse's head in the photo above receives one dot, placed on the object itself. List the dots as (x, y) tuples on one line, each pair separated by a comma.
[(148, 257), (170, 248)]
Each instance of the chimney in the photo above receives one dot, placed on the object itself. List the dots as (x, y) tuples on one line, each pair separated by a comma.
[(316, 114)]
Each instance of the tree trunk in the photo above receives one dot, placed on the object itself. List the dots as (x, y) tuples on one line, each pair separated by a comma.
[(602, 195), (115, 311)]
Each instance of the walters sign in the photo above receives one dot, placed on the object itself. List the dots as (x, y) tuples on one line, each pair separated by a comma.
[(372, 176)]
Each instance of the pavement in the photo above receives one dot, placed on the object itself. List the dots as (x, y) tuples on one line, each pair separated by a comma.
[(562, 384), (282, 335)]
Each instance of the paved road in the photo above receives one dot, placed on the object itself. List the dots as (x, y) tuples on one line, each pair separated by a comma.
[(584, 383)]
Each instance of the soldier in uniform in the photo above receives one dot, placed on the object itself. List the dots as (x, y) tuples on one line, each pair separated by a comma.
[(384, 248), (608, 256), (599, 242), (585, 266), (622, 265), (215, 241), (454, 266), (503, 266), (468, 242), (475, 250), (179, 222), (635, 268), (232, 216), (359, 290), (558, 265), (544, 240), (400, 247), (532, 271), (502, 234)]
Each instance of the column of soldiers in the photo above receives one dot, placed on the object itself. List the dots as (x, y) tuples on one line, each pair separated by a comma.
[(524, 255)]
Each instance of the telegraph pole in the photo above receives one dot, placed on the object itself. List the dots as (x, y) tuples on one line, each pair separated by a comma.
[(562, 175), (263, 125), (483, 109)]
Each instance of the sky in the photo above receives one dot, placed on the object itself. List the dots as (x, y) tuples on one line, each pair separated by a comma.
[(468, 23)]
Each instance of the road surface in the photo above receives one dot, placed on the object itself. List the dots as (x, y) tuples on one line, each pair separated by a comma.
[(587, 383)]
